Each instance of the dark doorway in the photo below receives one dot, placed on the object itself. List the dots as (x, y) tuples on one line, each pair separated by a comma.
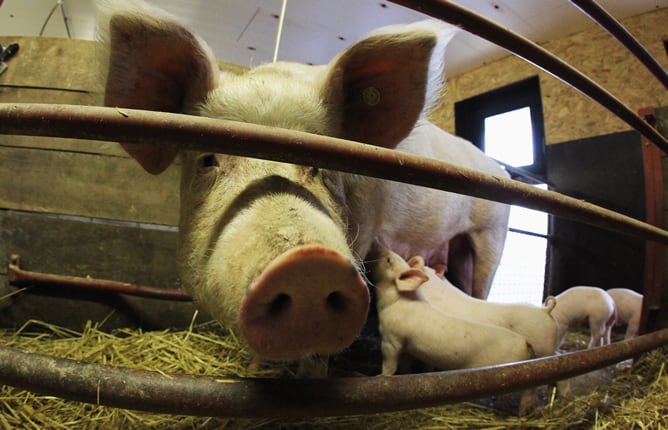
[(607, 171)]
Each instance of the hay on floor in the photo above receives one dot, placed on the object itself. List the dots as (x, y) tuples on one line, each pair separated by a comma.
[(637, 397)]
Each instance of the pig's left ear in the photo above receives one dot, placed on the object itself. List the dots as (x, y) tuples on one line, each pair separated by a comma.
[(411, 279), (383, 84)]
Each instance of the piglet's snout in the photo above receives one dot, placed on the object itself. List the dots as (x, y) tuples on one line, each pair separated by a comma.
[(310, 299)]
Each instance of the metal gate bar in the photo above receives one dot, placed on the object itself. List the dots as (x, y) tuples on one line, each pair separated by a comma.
[(537, 55), (236, 138), (19, 277), (617, 30), (290, 398)]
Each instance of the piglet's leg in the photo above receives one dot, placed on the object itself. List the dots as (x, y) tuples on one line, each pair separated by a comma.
[(391, 354)]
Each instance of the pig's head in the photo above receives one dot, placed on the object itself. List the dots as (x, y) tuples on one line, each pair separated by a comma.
[(393, 276), (271, 249)]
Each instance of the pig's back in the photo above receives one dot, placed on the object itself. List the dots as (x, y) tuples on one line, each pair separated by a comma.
[(430, 141), (627, 302)]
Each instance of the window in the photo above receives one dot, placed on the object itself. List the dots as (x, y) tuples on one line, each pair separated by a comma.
[(507, 124)]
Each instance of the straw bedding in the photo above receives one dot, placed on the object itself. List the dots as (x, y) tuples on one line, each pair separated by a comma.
[(633, 397)]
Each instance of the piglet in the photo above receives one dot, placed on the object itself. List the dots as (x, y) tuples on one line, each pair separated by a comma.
[(582, 304), (629, 309), (534, 323), (408, 323)]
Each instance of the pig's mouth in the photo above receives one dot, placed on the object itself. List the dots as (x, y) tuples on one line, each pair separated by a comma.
[(310, 299)]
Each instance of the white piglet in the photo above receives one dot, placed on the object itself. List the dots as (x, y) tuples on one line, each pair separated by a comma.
[(409, 324), (534, 323), (273, 249), (582, 304), (629, 309)]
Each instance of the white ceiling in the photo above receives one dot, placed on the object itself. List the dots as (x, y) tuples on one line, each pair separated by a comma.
[(244, 31)]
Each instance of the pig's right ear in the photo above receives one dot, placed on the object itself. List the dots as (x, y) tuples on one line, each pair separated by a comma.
[(410, 280), (384, 84), (154, 63)]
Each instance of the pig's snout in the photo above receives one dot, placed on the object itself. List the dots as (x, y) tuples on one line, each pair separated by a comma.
[(310, 299)]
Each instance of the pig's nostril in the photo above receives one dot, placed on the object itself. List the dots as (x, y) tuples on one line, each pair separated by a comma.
[(279, 305), (336, 302)]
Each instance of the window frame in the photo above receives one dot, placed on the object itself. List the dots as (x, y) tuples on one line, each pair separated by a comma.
[(470, 117)]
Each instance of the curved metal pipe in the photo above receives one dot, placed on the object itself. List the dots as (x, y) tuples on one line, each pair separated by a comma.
[(535, 54), (207, 134), (617, 30), (236, 397), (19, 277)]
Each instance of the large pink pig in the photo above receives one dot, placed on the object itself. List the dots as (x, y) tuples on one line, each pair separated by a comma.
[(465, 235), (273, 249)]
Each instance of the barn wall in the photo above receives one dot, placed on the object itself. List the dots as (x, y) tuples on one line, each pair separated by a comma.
[(570, 115)]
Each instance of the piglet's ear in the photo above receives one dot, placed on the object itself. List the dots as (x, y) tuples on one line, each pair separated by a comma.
[(411, 279), (155, 64), (416, 262), (383, 84)]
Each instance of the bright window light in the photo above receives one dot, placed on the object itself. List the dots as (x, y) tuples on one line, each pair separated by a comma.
[(509, 137), (520, 276)]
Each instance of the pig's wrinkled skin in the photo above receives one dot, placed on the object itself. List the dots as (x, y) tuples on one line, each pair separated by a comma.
[(272, 249), (533, 323), (583, 304), (629, 309), (409, 324)]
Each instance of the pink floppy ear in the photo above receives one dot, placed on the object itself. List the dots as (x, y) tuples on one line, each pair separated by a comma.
[(383, 84), (155, 64), (416, 262), (410, 280)]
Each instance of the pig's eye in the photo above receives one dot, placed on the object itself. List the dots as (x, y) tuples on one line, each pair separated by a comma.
[(208, 160)]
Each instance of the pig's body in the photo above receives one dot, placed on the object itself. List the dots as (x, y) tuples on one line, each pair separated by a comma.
[(583, 304), (468, 245), (408, 323), (534, 323), (272, 249), (629, 309)]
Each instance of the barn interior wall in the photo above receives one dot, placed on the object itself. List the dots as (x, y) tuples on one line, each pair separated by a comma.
[(569, 115)]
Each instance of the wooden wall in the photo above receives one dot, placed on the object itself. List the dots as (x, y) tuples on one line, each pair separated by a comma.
[(55, 187), (570, 115)]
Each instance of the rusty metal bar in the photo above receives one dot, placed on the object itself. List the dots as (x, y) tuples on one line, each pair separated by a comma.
[(207, 134), (20, 277), (535, 54), (288, 398), (617, 30)]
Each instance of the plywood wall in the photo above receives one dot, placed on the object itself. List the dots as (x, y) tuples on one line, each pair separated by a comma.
[(570, 115)]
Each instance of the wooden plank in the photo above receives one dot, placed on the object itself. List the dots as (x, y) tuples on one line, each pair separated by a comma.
[(67, 64), (87, 185), (51, 62), (654, 252), (73, 247)]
